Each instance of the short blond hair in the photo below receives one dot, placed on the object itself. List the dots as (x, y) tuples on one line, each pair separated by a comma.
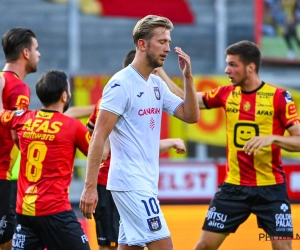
[(145, 27)]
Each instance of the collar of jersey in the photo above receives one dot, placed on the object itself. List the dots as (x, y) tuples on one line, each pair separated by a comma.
[(48, 110), (252, 91), (138, 72), (11, 72)]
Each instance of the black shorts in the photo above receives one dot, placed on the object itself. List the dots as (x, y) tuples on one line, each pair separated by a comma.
[(13, 193), (7, 214), (107, 218), (232, 205), (60, 231)]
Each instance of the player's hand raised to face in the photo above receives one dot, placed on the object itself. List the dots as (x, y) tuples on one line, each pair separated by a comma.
[(184, 62)]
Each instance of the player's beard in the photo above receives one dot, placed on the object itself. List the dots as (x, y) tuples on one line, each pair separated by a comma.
[(243, 80), (31, 68), (67, 104), (152, 62)]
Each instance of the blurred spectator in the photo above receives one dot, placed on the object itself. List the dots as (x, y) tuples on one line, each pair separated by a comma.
[(269, 24), (291, 10), (273, 18)]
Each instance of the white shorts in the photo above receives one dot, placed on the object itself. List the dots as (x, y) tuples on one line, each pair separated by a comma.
[(142, 220)]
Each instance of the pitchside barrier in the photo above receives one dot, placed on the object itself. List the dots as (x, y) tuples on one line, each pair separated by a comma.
[(189, 182)]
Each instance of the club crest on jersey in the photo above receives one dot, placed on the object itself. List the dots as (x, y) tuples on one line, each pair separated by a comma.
[(157, 93), (247, 106), (154, 223)]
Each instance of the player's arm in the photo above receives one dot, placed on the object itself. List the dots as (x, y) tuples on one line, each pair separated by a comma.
[(104, 125), (175, 89), (288, 117), (13, 133), (91, 126), (172, 85), (19, 99), (2, 85), (79, 111), (289, 143), (167, 144), (106, 150), (188, 111), (200, 100)]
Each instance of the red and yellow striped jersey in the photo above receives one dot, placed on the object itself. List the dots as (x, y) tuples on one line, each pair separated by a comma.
[(48, 141), (104, 167), (265, 111), (16, 95)]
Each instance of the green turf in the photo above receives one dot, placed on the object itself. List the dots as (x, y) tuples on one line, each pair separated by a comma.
[(275, 47)]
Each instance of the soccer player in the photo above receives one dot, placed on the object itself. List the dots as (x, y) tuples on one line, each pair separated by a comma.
[(21, 52), (106, 214), (257, 116), (48, 140), (131, 109)]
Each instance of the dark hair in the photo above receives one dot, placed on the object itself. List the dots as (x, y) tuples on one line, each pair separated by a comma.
[(129, 58), (145, 27), (248, 52), (50, 86), (14, 41)]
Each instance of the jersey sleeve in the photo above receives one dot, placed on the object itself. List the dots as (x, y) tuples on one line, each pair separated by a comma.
[(115, 97), (93, 117), (171, 101), (82, 137), (19, 97), (10, 119), (287, 110), (214, 98)]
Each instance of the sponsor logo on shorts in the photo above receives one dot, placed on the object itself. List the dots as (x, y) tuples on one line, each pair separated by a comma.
[(284, 220), (18, 240), (3, 225), (154, 223), (215, 219), (19, 227), (84, 238)]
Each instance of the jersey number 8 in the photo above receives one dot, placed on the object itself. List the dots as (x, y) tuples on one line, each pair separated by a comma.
[(35, 156)]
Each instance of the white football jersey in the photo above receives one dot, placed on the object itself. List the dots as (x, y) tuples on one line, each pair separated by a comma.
[(135, 138)]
